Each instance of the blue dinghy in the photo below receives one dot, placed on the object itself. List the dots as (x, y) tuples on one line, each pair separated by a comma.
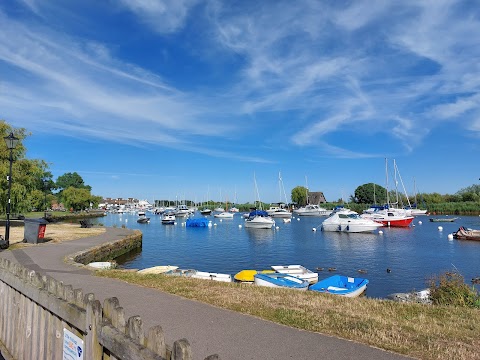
[(341, 285), (280, 280)]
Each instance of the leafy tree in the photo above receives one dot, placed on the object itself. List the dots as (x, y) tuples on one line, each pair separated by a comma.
[(299, 195), (75, 198), (370, 193), (71, 180), (25, 173)]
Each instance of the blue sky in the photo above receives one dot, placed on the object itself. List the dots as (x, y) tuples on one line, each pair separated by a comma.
[(186, 98)]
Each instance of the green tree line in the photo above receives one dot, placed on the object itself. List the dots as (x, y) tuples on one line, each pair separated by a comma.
[(32, 184)]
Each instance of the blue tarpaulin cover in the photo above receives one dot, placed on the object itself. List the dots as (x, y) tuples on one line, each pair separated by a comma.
[(197, 222)]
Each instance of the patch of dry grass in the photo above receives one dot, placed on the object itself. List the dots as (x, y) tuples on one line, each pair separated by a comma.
[(57, 232), (421, 331)]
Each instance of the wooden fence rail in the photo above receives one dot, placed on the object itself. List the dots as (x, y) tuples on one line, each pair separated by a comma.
[(35, 310)]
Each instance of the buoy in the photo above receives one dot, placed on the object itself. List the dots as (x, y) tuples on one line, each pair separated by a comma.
[(450, 237), (388, 270), (240, 226), (215, 224), (319, 269), (314, 229), (380, 232), (440, 228), (175, 223), (221, 220), (420, 222), (277, 227), (126, 220), (298, 219)]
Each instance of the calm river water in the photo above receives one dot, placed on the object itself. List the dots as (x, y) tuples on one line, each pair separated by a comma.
[(413, 255)]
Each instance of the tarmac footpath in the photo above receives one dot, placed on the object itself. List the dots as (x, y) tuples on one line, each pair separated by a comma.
[(210, 330)]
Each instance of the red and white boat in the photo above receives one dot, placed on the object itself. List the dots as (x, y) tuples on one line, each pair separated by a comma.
[(390, 217)]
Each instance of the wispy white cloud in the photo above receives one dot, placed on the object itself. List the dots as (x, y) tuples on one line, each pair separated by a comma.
[(163, 16)]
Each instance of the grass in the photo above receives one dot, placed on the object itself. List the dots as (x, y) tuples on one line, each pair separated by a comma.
[(416, 330)]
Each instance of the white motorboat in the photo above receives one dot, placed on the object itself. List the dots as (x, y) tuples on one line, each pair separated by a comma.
[(168, 218), (345, 220), (259, 219), (224, 215), (312, 210), (182, 211), (298, 271), (279, 212), (142, 218), (234, 209)]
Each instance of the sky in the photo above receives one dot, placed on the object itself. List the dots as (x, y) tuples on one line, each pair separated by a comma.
[(190, 99)]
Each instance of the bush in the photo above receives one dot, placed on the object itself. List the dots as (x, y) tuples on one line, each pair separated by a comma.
[(450, 289)]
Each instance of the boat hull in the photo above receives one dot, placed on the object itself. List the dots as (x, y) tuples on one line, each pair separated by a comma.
[(341, 285), (395, 222), (157, 269), (298, 271), (281, 281), (249, 275), (212, 276)]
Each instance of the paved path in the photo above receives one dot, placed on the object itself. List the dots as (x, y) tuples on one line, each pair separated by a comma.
[(209, 329)]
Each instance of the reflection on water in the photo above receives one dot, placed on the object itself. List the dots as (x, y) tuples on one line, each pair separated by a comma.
[(412, 255)]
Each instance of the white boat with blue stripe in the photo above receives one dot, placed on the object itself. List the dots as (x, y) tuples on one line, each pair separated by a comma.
[(280, 281)]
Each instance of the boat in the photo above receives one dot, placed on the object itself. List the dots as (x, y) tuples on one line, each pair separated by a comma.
[(443, 219), (341, 285), (182, 211), (168, 218), (157, 269), (181, 272), (234, 209), (224, 215), (345, 220), (312, 210), (249, 275), (279, 212), (212, 276), (259, 219), (464, 233), (206, 211), (103, 265), (298, 271), (280, 281), (390, 216), (142, 218), (200, 222)]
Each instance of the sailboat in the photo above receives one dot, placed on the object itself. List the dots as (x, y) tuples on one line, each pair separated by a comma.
[(414, 210), (258, 218), (224, 214), (280, 211), (389, 215)]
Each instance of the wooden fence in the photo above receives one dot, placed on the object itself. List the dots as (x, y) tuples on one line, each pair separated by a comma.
[(35, 310)]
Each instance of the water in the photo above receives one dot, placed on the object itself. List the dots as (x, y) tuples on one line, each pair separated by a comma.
[(413, 255)]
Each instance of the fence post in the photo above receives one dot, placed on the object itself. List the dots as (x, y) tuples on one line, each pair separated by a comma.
[(182, 350), (93, 349)]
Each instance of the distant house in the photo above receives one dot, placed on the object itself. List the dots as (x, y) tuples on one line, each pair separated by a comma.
[(316, 198)]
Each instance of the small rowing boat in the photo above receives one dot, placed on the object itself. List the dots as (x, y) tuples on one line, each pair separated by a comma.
[(341, 285), (157, 269), (281, 281)]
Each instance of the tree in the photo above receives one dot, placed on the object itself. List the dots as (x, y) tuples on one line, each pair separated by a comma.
[(370, 193), (71, 180), (77, 199), (25, 173), (299, 195)]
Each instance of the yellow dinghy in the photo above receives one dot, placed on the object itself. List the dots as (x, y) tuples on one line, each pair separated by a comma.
[(248, 275), (157, 269)]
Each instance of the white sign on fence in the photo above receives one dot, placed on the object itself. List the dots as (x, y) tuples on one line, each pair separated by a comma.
[(72, 346)]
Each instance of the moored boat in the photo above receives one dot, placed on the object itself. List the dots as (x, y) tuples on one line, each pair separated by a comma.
[(142, 218), (259, 219), (298, 271), (249, 275), (341, 285), (168, 218), (464, 233), (198, 222), (281, 281), (443, 219), (345, 220), (312, 210), (103, 265), (157, 269), (212, 276), (181, 272)]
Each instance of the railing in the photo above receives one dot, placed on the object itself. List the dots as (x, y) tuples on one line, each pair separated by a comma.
[(35, 310)]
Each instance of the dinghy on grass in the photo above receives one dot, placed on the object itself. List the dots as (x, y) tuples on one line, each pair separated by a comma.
[(157, 269), (341, 285), (281, 281), (212, 276), (298, 271), (249, 275)]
